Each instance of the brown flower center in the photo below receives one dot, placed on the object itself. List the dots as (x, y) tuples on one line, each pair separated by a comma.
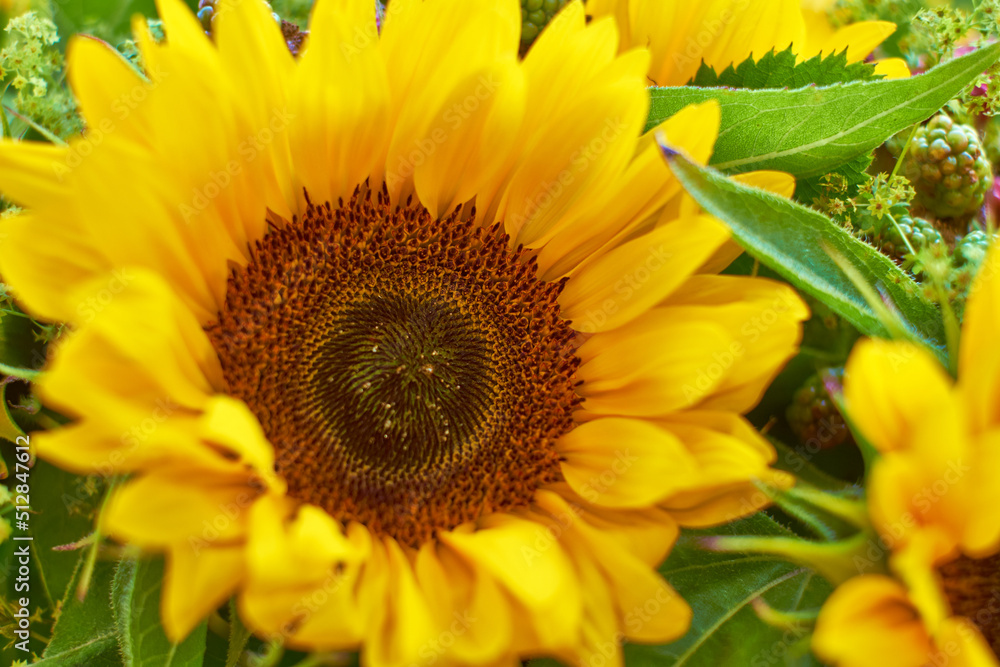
[(972, 587), (411, 373)]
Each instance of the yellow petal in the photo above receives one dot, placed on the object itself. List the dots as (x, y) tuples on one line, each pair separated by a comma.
[(523, 559), (867, 619), (257, 60), (153, 511), (979, 362), (860, 39), (624, 462), (312, 540), (888, 386), (304, 577), (470, 137), (592, 144), (729, 462), (651, 611), (719, 504), (43, 271), (105, 84), (183, 29), (403, 627), (718, 32), (196, 584), (619, 286), (139, 350), (651, 366), (228, 422), (765, 320), (467, 605), (776, 182), (971, 648), (893, 68), (982, 525), (728, 424), (641, 191), (339, 101), (459, 43), (903, 505), (599, 631), (32, 173), (584, 119), (914, 565)]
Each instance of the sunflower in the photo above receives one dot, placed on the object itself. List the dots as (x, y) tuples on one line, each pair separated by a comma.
[(722, 32), (399, 342), (932, 497)]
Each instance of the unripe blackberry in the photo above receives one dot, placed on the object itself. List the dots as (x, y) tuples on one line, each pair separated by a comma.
[(948, 168), (814, 418), (535, 15), (920, 233), (971, 249)]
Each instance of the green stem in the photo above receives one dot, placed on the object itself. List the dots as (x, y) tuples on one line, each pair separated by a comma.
[(272, 654), (7, 134), (218, 625), (784, 620), (952, 329), (822, 355), (888, 318), (835, 561), (16, 313), (20, 373), (238, 636), (88, 565), (46, 422), (42, 130), (906, 148), (853, 512), (900, 230), (322, 660)]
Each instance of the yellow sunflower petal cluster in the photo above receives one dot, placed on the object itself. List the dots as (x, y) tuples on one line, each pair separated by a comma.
[(241, 235), (933, 498), (680, 36)]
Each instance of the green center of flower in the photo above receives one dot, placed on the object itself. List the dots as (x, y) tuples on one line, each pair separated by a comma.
[(405, 382), (411, 373)]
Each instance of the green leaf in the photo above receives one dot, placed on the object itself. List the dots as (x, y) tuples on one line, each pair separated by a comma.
[(812, 131), (21, 350), (106, 19), (64, 506), (136, 600), (794, 462), (780, 70), (793, 241), (721, 588), (855, 173), (84, 635)]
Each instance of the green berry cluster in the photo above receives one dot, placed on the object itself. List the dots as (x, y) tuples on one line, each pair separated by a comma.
[(814, 418), (971, 249), (918, 232), (535, 15), (948, 168), (946, 273)]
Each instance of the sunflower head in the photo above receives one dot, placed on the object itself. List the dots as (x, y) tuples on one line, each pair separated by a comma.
[(403, 330)]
